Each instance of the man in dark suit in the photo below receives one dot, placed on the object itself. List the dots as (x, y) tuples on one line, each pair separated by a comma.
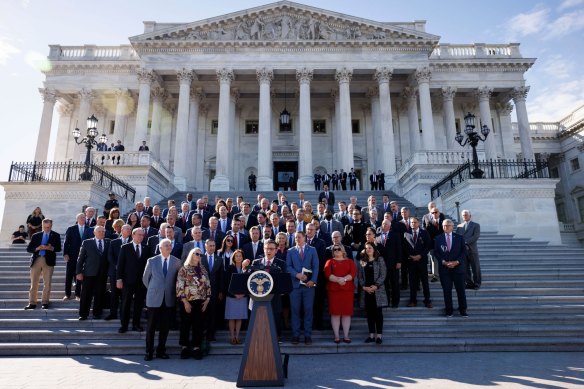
[(214, 232), (251, 181), (381, 180), (156, 220), (148, 230), (330, 224), (354, 235), (250, 217), (342, 215), (90, 220), (320, 292), (88, 232), (395, 211), (143, 147), (43, 247), (471, 233), (112, 258), (327, 195), (321, 234), (201, 210), (317, 180), (92, 268), (176, 247), (71, 247), (337, 239), (432, 222), (343, 179), (148, 209), (352, 180), (449, 249), (255, 248), (418, 244), (373, 181), (224, 221), (160, 280), (214, 267), (131, 264), (389, 244), (299, 257)]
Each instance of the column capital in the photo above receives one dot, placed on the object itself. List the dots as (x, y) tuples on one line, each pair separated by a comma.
[(159, 94), (505, 109), (121, 92), (383, 74), (225, 75), (197, 94), (372, 92), (48, 95), (519, 93), (410, 93), (265, 75), (343, 75), (304, 75), (185, 76), (448, 93), (423, 74), (65, 109), (484, 93), (86, 94), (145, 76)]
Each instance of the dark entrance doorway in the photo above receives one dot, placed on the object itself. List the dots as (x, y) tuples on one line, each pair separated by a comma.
[(285, 175)]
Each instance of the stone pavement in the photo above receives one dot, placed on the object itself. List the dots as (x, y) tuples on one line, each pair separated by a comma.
[(422, 370)]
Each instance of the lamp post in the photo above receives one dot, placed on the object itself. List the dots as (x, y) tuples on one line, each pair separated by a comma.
[(89, 141), (473, 138), (285, 115)]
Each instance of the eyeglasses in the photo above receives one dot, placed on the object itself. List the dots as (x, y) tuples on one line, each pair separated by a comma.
[(337, 249), (434, 212), (197, 254), (229, 241)]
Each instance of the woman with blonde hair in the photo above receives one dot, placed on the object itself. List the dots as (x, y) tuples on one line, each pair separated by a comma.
[(34, 221), (372, 272), (193, 288)]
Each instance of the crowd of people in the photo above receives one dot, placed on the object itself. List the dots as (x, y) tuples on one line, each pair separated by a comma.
[(182, 258)]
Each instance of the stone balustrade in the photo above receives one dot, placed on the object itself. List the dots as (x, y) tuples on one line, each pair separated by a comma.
[(127, 158), (92, 52), (437, 158), (477, 50)]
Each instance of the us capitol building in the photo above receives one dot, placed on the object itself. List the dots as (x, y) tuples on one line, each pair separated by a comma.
[(208, 98)]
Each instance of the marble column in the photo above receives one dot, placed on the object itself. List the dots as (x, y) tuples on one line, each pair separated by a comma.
[(233, 146), (145, 79), (158, 97), (506, 132), (195, 101), (64, 137), (166, 133), (449, 121), (423, 76), (265, 180), (410, 95), (377, 146), (484, 95), (122, 111), (221, 180), (185, 77), (383, 76), (343, 77), (305, 179), (201, 173), (337, 129), (519, 95), (49, 97)]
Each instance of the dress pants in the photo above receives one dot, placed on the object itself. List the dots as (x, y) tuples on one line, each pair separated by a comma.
[(418, 271), (39, 268), (319, 301), (302, 297), (353, 185), (212, 315), (374, 314), (405, 269), (132, 293), (70, 270), (472, 263), (392, 285), (93, 290), (448, 277), (192, 324), (115, 297), (158, 318)]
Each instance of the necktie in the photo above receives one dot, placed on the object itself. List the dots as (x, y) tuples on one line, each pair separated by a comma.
[(415, 237), (156, 219), (326, 194), (299, 227), (87, 222), (328, 229), (290, 240), (213, 234), (223, 225), (268, 263), (100, 246), (165, 266), (301, 253), (184, 219), (145, 231), (448, 242), (138, 251), (210, 262), (235, 240), (384, 238), (465, 225), (81, 231), (44, 241), (255, 249)]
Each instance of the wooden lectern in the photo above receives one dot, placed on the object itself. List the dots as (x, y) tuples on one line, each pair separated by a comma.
[(261, 362)]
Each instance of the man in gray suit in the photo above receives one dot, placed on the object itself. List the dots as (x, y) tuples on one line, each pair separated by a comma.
[(160, 280), (471, 232)]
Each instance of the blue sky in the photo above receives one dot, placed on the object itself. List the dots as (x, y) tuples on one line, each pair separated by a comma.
[(551, 31)]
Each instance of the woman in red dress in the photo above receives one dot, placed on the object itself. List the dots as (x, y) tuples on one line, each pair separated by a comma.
[(340, 272)]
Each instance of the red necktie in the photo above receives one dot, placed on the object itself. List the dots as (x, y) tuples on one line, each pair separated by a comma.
[(301, 253), (415, 237), (235, 240)]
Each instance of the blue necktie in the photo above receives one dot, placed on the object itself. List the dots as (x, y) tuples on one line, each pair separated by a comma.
[(210, 262), (165, 266), (100, 246), (44, 242)]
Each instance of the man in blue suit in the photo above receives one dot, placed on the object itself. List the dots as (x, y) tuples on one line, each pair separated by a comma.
[(299, 257), (449, 249), (71, 248)]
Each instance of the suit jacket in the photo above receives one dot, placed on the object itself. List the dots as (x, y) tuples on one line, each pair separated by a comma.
[(344, 220), (295, 263), (471, 235), (148, 210), (420, 247), (365, 212), (50, 256), (331, 198), (113, 254), (227, 225), (355, 233), (177, 250), (252, 220), (248, 251), (218, 237), (216, 276), (131, 267), (336, 225), (91, 262), (73, 241), (320, 247), (156, 224), (92, 222), (277, 265), (456, 253), (391, 250), (325, 237), (429, 226), (151, 232), (160, 288)]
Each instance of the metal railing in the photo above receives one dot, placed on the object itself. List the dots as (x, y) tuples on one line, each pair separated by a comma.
[(69, 172), (492, 169)]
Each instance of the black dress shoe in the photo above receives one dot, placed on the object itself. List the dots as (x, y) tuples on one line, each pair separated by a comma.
[(96, 317), (110, 317), (137, 328), (123, 330), (307, 340), (463, 313), (198, 354), (378, 341), (82, 318), (369, 340), (162, 356), (45, 306), (30, 306), (295, 340), (148, 357), (185, 353)]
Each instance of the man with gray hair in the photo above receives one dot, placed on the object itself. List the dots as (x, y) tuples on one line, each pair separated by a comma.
[(471, 233)]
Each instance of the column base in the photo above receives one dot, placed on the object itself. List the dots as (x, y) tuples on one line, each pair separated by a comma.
[(305, 183), (220, 184), (265, 184), (180, 183)]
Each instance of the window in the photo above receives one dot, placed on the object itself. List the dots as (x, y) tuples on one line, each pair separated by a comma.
[(319, 126), (112, 126), (554, 173), (355, 125), (214, 127), (251, 126), (575, 164)]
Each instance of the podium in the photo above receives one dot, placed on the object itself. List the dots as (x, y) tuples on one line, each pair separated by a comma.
[(261, 362)]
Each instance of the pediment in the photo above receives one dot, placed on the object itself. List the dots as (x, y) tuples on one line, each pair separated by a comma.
[(289, 22)]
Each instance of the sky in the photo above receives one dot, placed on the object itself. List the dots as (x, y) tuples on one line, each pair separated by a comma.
[(551, 31)]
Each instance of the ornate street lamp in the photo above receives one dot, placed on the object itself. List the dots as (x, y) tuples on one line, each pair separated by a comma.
[(89, 141), (473, 138), (285, 115)]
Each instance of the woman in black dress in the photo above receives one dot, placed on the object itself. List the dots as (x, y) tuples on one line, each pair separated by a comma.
[(34, 221)]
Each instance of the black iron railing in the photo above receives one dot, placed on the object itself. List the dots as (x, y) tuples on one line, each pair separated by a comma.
[(493, 169), (69, 172)]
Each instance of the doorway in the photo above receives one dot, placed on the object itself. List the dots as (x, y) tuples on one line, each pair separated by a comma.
[(285, 175)]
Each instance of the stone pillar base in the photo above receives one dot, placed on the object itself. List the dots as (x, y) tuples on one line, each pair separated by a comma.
[(265, 184), (305, 183), (220, 184)]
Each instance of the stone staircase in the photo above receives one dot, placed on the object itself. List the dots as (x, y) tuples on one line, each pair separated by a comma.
[(532, 299)]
